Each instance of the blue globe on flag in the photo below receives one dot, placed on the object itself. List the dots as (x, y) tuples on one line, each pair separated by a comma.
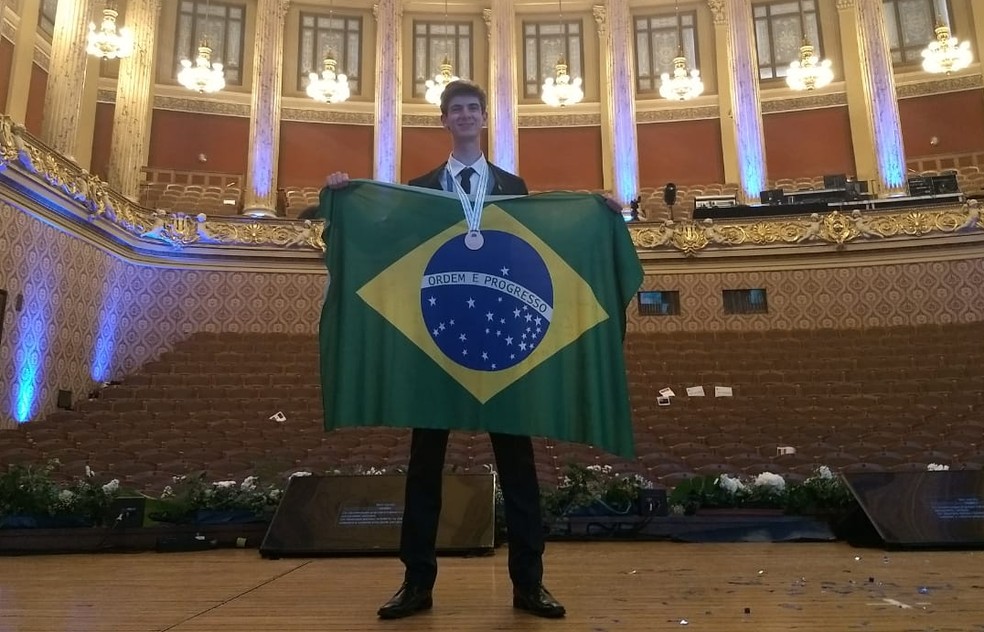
[(487, 309)]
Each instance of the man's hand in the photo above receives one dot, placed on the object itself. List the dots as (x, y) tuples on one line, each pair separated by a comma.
[(613, 204), (338, 180)]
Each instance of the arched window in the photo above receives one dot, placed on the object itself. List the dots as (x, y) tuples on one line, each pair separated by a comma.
[(779, 30), (910, 25), (224, 28), (435, 40), (339, 34), (543, 45), (658, 40)]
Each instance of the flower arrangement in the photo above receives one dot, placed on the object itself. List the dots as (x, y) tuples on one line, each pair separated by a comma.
[(191, 497), (820, 493), (593, 488), (30, 496)]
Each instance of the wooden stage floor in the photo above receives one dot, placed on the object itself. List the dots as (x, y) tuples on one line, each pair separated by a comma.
[(607, 587)]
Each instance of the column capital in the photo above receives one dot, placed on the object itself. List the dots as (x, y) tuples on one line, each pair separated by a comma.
[(718, 11), (844, 5), (282, 7), (600, 14), (375, 11), (487, 18)]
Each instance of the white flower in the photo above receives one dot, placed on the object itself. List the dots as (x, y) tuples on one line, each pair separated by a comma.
[(301, 473), (824, 472), (249, 483), (936, 467), (593, 468), (224, 484), (566, 481), (168, 492), (88, 472), (274, 494), (111, 486), (732, 485), (768, 479), (642, 483), (66, 496)]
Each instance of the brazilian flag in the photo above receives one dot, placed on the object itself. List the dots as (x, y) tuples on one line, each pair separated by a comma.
[(522, 336)]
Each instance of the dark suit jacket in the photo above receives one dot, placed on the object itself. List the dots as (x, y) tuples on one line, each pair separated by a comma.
[(503, 182)]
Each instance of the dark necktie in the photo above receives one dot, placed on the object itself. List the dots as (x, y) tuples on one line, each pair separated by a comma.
[(465, 177)]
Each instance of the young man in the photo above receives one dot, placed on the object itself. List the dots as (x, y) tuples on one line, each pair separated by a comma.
[(463, 114)]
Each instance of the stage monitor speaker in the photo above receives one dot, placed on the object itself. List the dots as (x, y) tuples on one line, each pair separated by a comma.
[(835, 181), (920, 186), (343, 515), (923, 509), (946, 183), (772, 196)]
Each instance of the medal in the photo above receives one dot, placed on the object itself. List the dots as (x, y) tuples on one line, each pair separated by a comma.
[(472, 208), (474, 240)]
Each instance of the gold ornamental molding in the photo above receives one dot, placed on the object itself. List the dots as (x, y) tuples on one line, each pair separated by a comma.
[(588, 119), (678, 114), (421, 120), (806, 102), (104, 208), (835, 228), (948, 84), (326, 116)]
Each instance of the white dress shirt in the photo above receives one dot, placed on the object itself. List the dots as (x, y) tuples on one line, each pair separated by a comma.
[(455, 166)]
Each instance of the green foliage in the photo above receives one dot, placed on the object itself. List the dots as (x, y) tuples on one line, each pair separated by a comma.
[(821, 493), (584, 486), (193, 492), (31, 490)]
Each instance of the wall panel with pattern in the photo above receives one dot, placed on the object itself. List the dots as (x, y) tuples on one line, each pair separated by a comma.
[(88, 316)]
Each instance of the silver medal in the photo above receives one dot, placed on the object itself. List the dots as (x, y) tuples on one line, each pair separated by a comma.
[(474, 240)]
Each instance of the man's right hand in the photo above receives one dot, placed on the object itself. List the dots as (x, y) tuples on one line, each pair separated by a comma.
[(337, 180)]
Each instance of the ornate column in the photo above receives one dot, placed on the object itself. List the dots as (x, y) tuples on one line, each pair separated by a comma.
[(66, 79), (18, 88), (881, 101), (862, 137), (977, 10), (619, 133), (134, 100), (387, 138), (264, 118), (743, 140), (503, 88)]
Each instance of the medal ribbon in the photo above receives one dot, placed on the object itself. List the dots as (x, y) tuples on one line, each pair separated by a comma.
[(472, 208)]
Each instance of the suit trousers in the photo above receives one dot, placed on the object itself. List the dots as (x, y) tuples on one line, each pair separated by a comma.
[(422, 506)]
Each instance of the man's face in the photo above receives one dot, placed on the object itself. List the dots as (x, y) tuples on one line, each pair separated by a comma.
[(465, 117)]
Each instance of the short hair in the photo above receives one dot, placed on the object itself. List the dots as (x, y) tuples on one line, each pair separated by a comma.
[(462, 87)]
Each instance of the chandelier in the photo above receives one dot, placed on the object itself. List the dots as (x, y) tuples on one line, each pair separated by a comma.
[(562, 90), (946, 54), (107, 42), (682, 85), (202, 75), (809, 72), (436, 86), (329, 86)]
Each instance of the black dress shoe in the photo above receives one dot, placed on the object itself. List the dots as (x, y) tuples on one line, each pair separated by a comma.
[(538, 600), (410, 599)]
